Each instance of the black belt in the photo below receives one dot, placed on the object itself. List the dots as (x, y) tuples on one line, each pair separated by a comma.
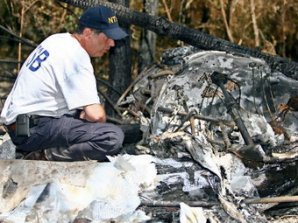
[(33, 121)]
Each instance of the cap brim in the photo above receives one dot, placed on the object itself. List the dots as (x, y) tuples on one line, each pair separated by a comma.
[(115, 33)]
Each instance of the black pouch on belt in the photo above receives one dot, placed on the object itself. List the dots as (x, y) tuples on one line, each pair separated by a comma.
[(23, 125)]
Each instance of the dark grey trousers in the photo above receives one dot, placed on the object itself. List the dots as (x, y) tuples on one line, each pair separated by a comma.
[(72, 139)]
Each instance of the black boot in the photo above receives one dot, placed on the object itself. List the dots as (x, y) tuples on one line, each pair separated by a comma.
[(36, 155)]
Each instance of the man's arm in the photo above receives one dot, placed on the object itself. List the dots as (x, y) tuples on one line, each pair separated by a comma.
[(94, 113)]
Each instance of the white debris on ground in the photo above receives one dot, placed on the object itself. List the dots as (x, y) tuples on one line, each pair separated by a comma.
[(50, 192), (191, 214)]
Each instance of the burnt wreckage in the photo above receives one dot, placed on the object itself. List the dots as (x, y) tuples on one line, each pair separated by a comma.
[(229, 122), (223, 130), (218, 143)]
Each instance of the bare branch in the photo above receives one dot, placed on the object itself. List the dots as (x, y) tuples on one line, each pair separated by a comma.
[(167, 10), (223, 12), (254, 22)]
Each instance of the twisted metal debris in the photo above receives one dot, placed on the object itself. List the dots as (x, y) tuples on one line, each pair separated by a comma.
[(230, 127)]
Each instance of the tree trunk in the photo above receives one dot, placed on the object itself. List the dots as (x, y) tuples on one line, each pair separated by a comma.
[(193, 37), (119, 64), (148, 38)]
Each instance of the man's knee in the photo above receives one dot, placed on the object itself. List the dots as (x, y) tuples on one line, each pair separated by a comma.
[(116, 136)]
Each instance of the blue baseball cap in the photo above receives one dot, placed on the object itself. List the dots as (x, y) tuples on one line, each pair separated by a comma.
[(103, 19)]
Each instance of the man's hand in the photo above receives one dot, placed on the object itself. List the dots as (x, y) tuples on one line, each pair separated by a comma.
[(93, 113)]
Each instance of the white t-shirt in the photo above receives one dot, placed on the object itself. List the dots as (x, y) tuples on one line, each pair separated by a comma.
[(55, 79)]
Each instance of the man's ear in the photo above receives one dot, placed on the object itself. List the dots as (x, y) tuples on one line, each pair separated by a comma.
[(87, 32)]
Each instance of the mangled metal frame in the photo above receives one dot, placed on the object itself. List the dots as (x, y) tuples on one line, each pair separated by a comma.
[(192, 112)]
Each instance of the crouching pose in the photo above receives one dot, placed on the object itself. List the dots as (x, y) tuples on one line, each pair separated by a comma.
[(53, 109)]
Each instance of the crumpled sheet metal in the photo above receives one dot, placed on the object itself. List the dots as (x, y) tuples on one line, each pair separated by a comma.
[(191, 90), (61, 192), (194, 179), (261, 91)]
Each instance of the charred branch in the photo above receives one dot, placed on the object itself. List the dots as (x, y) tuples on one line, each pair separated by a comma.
[(267, 200), (11, 61), (20, 39), (177, 203), (103, 82), (193, 37)]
